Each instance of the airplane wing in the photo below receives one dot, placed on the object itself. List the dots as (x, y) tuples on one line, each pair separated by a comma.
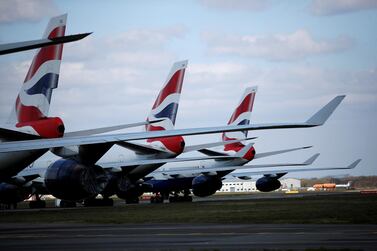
[(267, 154), (188, 172), (121, 165), (282, 172), (317, 119), (33, 44), (214, 144), (107, 129)]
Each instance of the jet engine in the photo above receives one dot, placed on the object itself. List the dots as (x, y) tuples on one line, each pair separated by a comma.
[(70, 180), (128, 190), (203, 185), (267, 184), (10, 194)]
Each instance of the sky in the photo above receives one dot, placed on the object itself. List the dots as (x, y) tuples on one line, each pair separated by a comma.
[(299, 53)]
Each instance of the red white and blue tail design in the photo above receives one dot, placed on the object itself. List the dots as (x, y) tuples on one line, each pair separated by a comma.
[(166, 104), (33, 101), (166, 108), (240, 116)]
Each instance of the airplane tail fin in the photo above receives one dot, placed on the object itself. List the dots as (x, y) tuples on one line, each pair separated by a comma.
[(33, 100), (240, 116), (165, 108), (166, 105)]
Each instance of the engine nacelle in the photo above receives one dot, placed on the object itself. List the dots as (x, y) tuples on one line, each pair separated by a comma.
[(10, 193), (128, 190), (203, 185), (267, 184), (70, 180), (46, 128)]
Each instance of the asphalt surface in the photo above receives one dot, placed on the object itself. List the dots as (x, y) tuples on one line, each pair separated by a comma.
[(186, 237)]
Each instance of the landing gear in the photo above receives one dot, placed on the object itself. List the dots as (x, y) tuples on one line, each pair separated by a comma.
[(66, 203), (179, 198), (157, 198), (105, 202), (132, 200), (37, 202)]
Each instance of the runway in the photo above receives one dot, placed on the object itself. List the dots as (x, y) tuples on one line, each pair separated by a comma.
[(186, 236)]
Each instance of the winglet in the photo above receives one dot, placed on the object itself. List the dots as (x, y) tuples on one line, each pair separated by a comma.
[(311, 159), (320, 117), (354, 164)]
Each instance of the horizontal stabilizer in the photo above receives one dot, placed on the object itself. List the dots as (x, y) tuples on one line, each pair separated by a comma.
[(33, 44), (140, 148), (107, 129), (13, 135), (210, 152), (267, 154)]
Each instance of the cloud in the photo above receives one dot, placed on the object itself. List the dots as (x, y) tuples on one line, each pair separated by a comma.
[(245, 5), (19, 10), (297, 45), (335, 7)]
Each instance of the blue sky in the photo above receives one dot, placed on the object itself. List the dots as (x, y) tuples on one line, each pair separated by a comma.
[(299, 53)]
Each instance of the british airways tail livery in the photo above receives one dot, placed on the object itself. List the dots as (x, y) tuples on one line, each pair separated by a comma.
[(240, 116), (166, 107), (33, 101)]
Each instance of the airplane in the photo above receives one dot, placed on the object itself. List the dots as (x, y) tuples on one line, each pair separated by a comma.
[(238, 154), (80, 178), (34, 44), (231, 141), (206, 181), (29, 116)]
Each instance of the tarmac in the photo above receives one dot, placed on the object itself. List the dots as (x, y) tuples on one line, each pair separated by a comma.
[(186, 236)]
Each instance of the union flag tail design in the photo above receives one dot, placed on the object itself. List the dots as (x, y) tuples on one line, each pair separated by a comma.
[(240, 116), (33, 100), (166, 107)]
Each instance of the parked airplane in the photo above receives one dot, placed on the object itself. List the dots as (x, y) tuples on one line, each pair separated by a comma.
[(84, 179), (238, 154), (206, 181), (29, 117)]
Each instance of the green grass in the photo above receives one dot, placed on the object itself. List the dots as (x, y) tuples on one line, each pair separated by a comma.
[(331, 209)]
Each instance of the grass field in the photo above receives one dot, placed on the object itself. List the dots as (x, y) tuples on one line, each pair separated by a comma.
[(352, 208)]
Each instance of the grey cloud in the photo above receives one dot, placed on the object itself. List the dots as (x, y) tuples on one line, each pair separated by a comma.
[(19, 10), (279, 47), (335, 7), (245, 5)]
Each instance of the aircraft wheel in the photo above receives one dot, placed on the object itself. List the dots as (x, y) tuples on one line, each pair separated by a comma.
[(66, 203), (37, 204)]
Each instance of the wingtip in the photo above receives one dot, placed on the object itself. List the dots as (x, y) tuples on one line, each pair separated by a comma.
[(320, 117), (354, 164), (311, 159)]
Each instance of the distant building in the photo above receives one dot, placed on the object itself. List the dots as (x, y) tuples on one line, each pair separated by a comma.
[(237, 186), (290, 183)]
